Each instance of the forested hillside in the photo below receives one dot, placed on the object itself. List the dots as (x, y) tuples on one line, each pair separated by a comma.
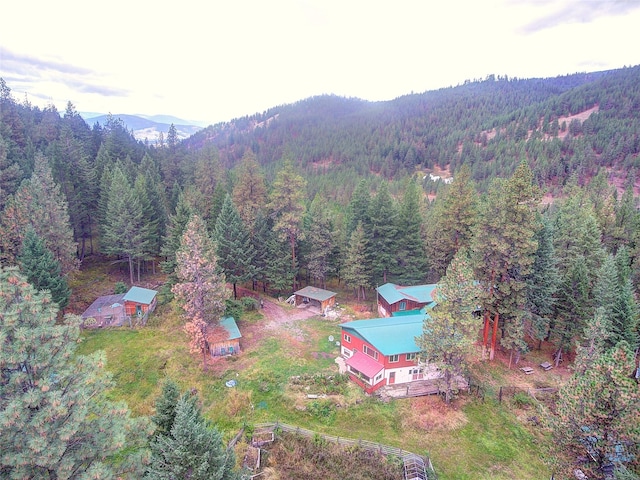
[(339, 189)]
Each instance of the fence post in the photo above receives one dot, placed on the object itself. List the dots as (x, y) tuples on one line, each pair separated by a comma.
[(500, 395)]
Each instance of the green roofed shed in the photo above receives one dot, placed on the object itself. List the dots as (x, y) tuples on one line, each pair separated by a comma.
[(316, 297)]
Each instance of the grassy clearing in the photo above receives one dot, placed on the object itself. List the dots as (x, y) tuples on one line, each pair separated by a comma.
[(473, 439)]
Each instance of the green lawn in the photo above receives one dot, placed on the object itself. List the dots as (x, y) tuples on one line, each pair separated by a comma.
[(490, 444)]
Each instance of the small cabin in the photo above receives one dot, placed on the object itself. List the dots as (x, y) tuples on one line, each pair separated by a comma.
[(139, 302), (224, 339), (315, 297)]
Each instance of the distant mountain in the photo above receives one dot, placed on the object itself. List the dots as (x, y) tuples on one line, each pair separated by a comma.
[(145, 127)]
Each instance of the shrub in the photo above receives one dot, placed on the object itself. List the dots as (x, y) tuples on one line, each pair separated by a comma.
[(120, 287), (249, 304)]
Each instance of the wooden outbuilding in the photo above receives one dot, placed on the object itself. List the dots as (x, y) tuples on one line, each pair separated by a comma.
[(105, 311), (316, 297), (224, 339), (139, 302), (395, 300)]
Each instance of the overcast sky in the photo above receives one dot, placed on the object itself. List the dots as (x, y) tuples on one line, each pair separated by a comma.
[(216, 60)]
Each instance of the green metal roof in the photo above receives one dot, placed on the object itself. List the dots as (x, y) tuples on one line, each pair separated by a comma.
[(315, 293), (393, 293), (140, 295), (389, 335), (231, 326)]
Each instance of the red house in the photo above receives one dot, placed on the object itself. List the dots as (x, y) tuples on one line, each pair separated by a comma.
[(383, 351), (139, 302), (394, 300)]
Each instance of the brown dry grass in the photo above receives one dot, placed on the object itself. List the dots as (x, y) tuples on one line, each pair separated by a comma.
[(432, 414)]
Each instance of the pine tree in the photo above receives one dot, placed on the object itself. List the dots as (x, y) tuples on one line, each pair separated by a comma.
[(355, 271), (382, 236), (250, 191), (410, 255), (359, 207), (279, 273), (124, 229), (598, 412), (193, 448), (39, 203), (320, 240), (10, 174), (42, 269), (201, 288), (286, 204), (451, 327), (261, 231), (542, 284), (234, 248), (171, 242), (504, 245), (573, 308), (55, 421), (451, 221), (166, 408)]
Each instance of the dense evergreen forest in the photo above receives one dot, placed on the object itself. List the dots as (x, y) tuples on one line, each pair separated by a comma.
[(542, 202)]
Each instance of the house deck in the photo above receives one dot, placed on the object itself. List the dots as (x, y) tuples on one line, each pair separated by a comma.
[(417, 388)]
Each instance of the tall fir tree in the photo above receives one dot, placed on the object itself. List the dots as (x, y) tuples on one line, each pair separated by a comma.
[(358, 210), (42, 270), (320, 239), (382, 236), (249, 191), (124, 228), (287, 207), (235, 251), (171, 243), (411, 255), (450, 221), (451, 327), (504, 246), (192, 449), (55, 419), (542, 285), (356, 273), (40, 204)]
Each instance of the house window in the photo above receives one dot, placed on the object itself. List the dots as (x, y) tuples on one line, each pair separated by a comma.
[(378, 378), (370, 351), (347, 338), (394, 358), (403, 305), (411, 356)]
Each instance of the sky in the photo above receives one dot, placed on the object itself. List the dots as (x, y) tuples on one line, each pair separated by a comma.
[(216, 60)]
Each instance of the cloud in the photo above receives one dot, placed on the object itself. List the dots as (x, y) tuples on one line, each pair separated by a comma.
[(577, 11), (28, 69)]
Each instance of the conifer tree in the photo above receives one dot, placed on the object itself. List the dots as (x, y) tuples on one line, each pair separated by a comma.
[(55, 421), (504, 246), (124, 229), (355, 271), (382, 236), (451, 220), (42, 270), (201, 288), (261, 231), (286, 204), (10, 174), (39, 203), (166, 408), (279, 273), (358, 210), (451, 327), (192, 449), (235, 251), (542, 284), (598, 412), (320, 240), (250, 191), (410, 254), (171, 242), (573, 308)]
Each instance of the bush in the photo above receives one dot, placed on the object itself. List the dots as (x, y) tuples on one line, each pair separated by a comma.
[(120, 287), (233, 308), (522, 400), (249, 304)]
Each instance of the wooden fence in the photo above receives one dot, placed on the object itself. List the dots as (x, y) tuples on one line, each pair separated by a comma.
[(415, 467)]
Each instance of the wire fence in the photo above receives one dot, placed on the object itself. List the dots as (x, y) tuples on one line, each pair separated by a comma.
[(415, 467)]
